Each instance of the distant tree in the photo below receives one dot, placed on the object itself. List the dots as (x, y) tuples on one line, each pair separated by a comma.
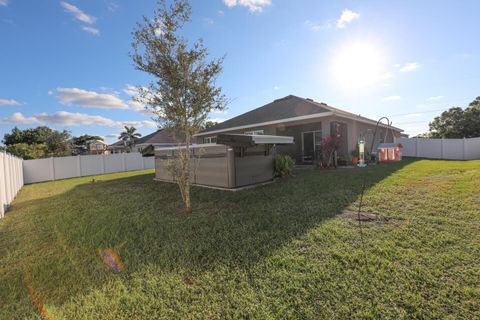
[(28, 151), (80, 144), (129, 136), (54, 143), (457, 122), (184, 91), (210, 124)]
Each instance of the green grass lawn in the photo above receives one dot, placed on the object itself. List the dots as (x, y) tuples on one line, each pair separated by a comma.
[(274, 252)]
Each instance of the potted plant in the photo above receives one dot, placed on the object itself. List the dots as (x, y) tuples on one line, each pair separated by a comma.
[(354, 155)]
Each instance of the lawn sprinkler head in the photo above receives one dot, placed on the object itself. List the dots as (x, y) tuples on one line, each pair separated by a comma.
[(361, 154)]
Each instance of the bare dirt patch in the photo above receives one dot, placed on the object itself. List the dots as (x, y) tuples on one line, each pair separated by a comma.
[(363, 216)]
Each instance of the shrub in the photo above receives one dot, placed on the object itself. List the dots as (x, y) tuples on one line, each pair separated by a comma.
[(283, 166)]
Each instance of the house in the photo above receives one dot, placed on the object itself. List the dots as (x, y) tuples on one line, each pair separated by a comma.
[(97, 147), (146, 144), (308, 122), (118, 147)]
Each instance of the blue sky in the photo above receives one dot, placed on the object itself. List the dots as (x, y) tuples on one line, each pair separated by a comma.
[(66, 64)]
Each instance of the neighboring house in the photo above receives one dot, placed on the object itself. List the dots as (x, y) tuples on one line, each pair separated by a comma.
[(146, 144), (308, 122), (117, 147), (97, 147)]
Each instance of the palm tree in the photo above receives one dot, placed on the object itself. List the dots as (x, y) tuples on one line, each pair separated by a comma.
[(129, 136)]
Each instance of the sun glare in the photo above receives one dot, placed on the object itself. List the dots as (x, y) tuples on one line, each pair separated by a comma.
[(358, 65)]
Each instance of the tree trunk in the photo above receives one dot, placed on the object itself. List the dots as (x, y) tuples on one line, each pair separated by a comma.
[(186, 189)]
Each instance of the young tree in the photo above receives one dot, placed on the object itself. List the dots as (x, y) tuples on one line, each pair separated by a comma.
[(184, 90), (129, 136)]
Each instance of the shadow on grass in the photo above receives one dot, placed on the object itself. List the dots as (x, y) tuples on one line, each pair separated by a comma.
[(139, 218)]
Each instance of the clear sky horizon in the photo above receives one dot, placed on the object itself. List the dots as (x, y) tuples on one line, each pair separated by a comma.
[(66, 64)]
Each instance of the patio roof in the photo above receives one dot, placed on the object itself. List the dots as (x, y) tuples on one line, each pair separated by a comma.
[(251, 140)]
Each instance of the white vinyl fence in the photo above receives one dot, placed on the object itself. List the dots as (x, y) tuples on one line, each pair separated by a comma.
[(11, 179), (449, 149), (48, 169)]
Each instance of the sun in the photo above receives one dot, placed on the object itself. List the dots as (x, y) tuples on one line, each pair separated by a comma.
[(357, 65)]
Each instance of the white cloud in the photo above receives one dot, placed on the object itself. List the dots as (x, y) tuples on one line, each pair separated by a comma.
[(82, 17), (91, 30), (135, 105), (4, 3), (65, 118), (9, 102), (347, 17), (409, 66), (18, 118), (220, 12), (89, 99), (276, 88), (435, 98), (314, 26), (112, 6), (77, 13), (130, 90), (392, 98), (218, 120), (252, 5)]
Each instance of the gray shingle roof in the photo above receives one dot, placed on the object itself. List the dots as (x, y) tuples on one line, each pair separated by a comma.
[(288, 107), (158, 137)]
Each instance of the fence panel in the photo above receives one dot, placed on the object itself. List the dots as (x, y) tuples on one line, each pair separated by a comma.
[(472, 148), (91, 165), (11, 180), (39, 170), (429, 148), (66, 167), (114, 163), (449, 149), (133, 161)]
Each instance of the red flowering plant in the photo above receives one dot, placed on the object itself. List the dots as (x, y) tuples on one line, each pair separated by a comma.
[(328, 146)]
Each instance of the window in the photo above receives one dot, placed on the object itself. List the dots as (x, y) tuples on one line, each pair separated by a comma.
[(210, 139), (255, 132)]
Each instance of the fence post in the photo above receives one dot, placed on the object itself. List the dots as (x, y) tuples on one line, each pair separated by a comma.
[(442, 149), (22, 178), (79, 166), (103, 164), (3, 196), (52, 169), (124, 162), (143, 163), (416, 147), (7, 178), (464, 151)]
